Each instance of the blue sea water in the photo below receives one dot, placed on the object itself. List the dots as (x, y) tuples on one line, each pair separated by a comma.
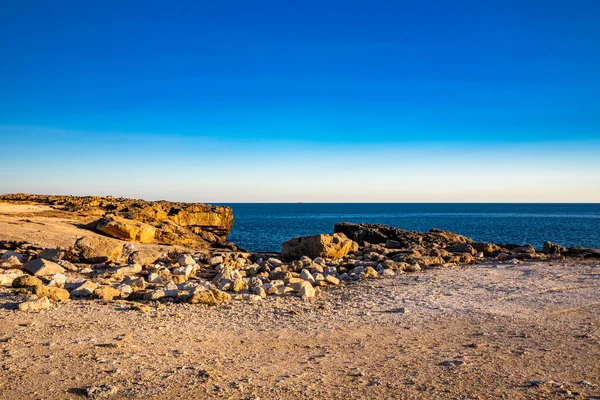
[(264, 227)]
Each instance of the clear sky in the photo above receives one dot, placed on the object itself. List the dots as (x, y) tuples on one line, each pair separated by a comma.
[(343, 101)]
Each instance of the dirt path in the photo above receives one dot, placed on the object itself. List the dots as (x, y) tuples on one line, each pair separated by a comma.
[(508, 331)]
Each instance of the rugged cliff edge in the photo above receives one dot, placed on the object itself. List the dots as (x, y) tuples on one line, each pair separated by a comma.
[(187, 224)]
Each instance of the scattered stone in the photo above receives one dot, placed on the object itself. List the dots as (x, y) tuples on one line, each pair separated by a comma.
[(42, 267), (304, 289), (35, 304), (238, 285), (553, 248), (144, 257), (216, 260), (25, 281), (98, 249), (52, 254), (526, 249), (52, 293), (86, 289), (370, 273), (185, 259), (106, 293)]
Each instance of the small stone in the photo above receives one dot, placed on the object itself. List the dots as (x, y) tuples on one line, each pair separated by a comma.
[(106, 293), (526, 249), (52, 293), (252, 298), (185, 260), (128, 270), (52, 254), (7, 278), (12, 254), (25, 281), (216, 260), (238, 285), (154, 278), (304, 289), (370, 273), (11, 262), (274, 262), (154, 295), (260, 292), (125, 290), (203, 297), (171, 289), (553, 248), (413, 268), (319, 261), (84, 290), (58, 280), (332, 280), (136, 283), (42, 267), (35, 305), (221, 296), (388, 273), (357, 271)]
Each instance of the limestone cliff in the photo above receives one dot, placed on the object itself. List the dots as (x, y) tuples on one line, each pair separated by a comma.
[(190, 224)]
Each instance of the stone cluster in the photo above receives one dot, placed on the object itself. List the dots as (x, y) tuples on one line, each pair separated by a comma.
[(95, 269)]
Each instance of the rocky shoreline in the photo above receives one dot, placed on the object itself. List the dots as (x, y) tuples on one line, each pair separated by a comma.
[(213, 271)]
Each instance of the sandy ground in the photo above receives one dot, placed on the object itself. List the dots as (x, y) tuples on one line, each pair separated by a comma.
[(525, 331)]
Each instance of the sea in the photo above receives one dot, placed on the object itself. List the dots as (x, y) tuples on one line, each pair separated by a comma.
[(264, 227)]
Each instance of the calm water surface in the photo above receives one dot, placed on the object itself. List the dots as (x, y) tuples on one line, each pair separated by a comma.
[(263, 227)]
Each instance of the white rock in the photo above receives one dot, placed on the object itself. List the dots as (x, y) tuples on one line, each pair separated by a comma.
[(185, 260), (319, 260), (154, 278), (7, 277), (41, 267), (307, 276), (125, 290), (274, 262), (9, 254), (388, 273), (72, 283), (84, 290), (34, 304), (216, 260), (171, 289)]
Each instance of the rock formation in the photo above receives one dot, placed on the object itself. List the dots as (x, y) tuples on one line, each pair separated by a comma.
[(188, 224)]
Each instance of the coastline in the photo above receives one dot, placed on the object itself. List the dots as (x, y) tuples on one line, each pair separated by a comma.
[(367, 311)]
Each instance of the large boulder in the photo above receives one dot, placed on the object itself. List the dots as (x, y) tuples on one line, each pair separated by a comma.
[(43, 267), (98, 249), (328, 246), (125, 229)]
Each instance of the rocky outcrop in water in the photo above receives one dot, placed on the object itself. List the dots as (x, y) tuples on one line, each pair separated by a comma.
[(394, 237)]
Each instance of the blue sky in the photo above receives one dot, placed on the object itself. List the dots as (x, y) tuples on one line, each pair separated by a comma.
[(302, 101)]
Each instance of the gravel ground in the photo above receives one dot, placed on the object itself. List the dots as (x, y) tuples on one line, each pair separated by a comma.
[(529, 330)]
